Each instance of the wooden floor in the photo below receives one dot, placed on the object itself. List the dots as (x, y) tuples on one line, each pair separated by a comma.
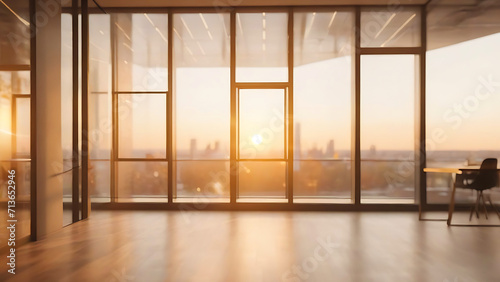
[(260, 246)]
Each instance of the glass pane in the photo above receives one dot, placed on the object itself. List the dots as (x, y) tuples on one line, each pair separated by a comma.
[(23, 128), (262, 180), (392, 26), (261, 123), (387, 123), (99, 180), (67, 183), (6, 117), (261, 47), (322, 85), (387, 106), (322, 179), (67, 116), (202, 179), (142, 53), (387, 181), (201, 51), (142, 131), (142, 180), (100, 53), (100, 125), (15, 82), (462, 98), (14, 33), (67, 92)]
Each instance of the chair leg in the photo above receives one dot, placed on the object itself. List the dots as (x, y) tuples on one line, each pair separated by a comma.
[(472, 209), (493, 206), (483, 204), (476, 206)]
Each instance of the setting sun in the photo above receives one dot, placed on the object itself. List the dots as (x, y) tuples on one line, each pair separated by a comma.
[(257, 139)]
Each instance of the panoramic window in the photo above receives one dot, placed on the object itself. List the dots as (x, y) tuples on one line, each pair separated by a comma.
[(100, 100), (322, 105), (201, 52), (462, 95), (129, 82), (141, 78), (388, 128)]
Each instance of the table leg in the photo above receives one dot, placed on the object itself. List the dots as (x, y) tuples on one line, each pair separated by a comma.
[(452, 201)]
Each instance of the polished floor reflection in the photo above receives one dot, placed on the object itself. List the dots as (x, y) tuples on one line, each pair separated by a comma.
[(260, 246)]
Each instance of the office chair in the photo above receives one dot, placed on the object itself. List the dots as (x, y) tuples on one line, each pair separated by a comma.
[(479, 181)]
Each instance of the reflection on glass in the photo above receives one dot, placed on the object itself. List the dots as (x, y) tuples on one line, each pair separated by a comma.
[(100, 54), (322, 85), (99, 180), (142, 53), (201, 52), (14, 33), (15, 82), (100, 108), (15, 116), (261, 123), (322, 179), (67, 93), (202, 179), (100, 125), (390, 27), (67, 184), (22, 128), (262, 179), (67, 117), (142, 131), (142, 180), (261, 47), (387, 125)]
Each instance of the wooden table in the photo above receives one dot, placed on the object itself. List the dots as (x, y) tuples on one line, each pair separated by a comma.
[(454, 172)]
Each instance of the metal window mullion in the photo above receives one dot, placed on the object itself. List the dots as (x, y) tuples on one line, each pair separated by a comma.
[(262, 85), (85, 121), (422, 154), (357, 109), (114, 113), (233, 168), (289, 117), (142, 92), (13, 127), (169, 117), (75, 116), (389, 50), (33, 131)]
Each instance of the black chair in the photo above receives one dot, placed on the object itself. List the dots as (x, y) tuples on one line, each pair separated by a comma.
[(484, 179)]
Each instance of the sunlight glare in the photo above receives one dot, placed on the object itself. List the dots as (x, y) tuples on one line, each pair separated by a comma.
[(257, 139)]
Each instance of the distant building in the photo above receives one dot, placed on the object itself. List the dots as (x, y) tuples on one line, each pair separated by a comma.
[(330, 150), (373, 150), (192, 148)]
